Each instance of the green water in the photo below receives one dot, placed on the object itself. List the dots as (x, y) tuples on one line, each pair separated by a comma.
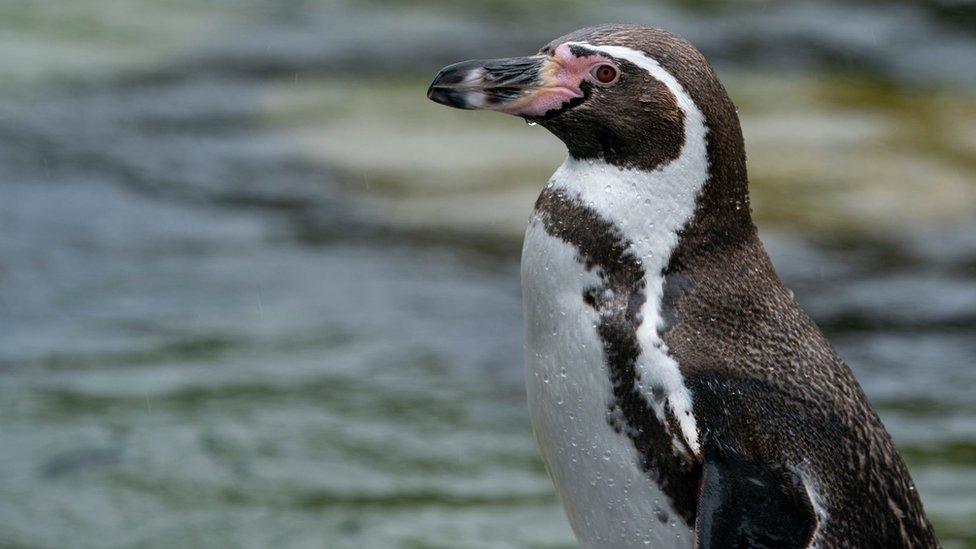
[(256, 291)]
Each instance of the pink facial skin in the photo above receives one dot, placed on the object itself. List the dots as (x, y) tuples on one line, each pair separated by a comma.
[(561, 79)]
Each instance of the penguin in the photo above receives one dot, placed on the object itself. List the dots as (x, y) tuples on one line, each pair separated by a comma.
[(679, 395)]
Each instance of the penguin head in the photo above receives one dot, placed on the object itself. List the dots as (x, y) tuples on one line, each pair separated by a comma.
[(608, 92)]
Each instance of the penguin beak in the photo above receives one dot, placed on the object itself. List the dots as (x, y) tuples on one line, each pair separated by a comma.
[(523, 86)]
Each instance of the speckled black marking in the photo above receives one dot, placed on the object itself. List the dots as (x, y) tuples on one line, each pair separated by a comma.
[(662, 515), (618, 300), (675, 286)]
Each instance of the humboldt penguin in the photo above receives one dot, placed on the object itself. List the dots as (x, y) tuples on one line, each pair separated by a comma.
[(679, 395)]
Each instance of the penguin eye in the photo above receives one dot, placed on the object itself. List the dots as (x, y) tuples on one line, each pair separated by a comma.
[(605, 74)]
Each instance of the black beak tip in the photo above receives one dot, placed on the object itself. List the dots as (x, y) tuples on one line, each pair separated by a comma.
[(442, 89), (448, 97)]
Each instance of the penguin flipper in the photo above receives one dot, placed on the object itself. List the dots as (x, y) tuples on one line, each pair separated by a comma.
[(747, 503)]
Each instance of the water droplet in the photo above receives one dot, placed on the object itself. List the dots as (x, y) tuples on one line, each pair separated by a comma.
[(530, 123), (607, 188), (545, 378)]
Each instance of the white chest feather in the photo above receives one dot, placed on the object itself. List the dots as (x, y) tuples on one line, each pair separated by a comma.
[(610, 500)]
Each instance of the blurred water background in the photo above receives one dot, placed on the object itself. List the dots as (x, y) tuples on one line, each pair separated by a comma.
[(256, 290)]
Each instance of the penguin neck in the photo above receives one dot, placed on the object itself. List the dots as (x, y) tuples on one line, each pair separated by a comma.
[(699, 196), (722, 217), (695, 204)]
